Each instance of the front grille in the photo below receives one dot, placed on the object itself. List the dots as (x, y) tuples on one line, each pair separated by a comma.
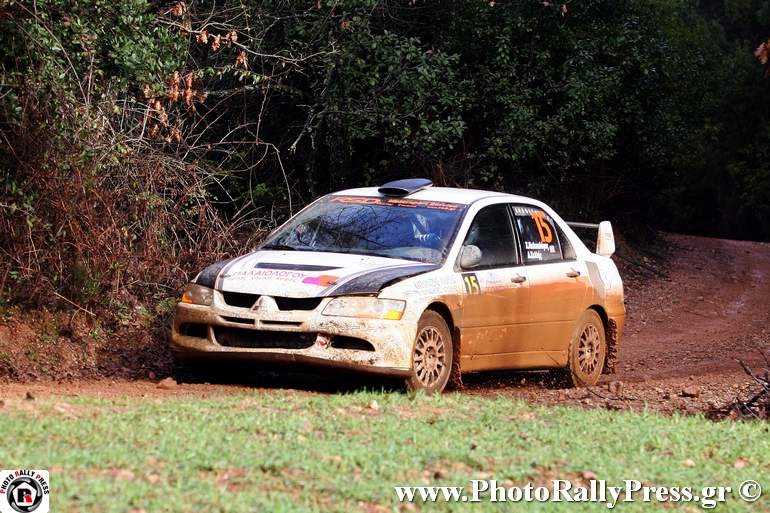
[(256, 339), (242, 300), (298, 303)]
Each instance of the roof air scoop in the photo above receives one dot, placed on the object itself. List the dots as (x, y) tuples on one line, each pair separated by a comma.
[(405, 187)]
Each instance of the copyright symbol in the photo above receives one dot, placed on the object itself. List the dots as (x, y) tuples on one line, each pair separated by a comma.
[(750, 491)]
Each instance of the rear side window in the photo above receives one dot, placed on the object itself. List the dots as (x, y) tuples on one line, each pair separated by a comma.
[(567, 251), (539, 235), (492, 233)]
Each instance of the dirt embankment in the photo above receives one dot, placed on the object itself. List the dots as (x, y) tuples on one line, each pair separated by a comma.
[(65, 345), (691, 316)]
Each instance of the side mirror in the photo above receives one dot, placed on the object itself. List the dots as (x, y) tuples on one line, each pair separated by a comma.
[(470, 257), (605, 240)]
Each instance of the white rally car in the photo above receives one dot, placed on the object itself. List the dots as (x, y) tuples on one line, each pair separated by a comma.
[(414, 281)]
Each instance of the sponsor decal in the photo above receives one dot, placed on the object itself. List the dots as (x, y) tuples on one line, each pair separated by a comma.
[(543, 226), (537, 231), (524, 211), (24, 491), (433, 286), (537, 250), (493, 281), (324, 280), (266, 274), (397, 202)]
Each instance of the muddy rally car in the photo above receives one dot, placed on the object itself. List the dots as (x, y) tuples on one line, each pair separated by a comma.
[(419, 282)]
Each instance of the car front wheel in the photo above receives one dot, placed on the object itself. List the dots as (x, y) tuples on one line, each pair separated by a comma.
[(432, 354)]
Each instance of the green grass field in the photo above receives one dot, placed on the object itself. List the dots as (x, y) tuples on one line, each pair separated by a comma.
[(296, 451)]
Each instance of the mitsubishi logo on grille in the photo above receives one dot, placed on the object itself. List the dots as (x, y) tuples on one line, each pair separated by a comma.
[(265, 304)]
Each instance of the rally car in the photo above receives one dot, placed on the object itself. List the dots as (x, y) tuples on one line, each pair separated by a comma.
[(415, 281)]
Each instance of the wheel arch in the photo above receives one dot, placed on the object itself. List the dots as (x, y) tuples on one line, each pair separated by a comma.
[(610, 332)]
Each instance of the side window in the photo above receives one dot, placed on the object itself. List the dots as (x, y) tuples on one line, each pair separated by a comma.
[(492, 233), (567, 250), (539, 236)]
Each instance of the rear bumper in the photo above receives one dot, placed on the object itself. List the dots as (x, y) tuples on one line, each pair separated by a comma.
[(390, 355)]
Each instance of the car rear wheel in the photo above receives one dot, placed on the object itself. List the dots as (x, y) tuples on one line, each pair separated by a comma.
[(587, 350), (432, 354)]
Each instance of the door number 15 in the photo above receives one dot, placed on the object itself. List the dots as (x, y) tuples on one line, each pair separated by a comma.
[(471, 284)]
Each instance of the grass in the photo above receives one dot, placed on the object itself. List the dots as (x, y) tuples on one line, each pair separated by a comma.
[(295, 451)]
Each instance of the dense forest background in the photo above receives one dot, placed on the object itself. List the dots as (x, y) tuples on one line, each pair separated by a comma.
[(142, 139)]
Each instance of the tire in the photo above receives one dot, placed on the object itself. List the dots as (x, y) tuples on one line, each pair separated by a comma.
[(432, 355), (587, 351)]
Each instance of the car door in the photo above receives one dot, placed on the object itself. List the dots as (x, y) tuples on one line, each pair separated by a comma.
[(496, 300), (558, 282)]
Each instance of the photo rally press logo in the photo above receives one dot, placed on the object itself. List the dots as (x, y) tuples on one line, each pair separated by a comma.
[(24, 491)]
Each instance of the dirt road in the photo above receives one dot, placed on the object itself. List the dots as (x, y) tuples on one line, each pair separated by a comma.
[(689, 320), (710, 312), (688, 324)]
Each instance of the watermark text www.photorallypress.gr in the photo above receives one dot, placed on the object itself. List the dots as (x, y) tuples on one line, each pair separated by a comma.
[(595, 491)]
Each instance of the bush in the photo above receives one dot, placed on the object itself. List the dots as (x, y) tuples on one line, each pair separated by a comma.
[(145, 138), (95, 212)]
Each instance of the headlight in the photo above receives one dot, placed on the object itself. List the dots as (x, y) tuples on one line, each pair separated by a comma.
[(197, 295), (366, 308)]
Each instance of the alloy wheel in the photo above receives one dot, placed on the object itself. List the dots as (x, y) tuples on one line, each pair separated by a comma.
[(429, 356)]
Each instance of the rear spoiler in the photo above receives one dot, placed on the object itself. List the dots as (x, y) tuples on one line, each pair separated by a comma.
[(605, 239)]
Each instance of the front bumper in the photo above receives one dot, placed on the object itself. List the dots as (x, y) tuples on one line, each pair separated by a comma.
[(297, 337)]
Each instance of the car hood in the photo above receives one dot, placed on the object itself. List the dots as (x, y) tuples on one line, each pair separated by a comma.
[(309, 273)]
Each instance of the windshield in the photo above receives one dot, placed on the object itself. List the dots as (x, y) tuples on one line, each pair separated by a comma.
[(390, 227)]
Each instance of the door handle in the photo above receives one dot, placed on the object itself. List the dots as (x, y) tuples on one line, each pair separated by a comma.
[(573, 274), (519, 279)]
